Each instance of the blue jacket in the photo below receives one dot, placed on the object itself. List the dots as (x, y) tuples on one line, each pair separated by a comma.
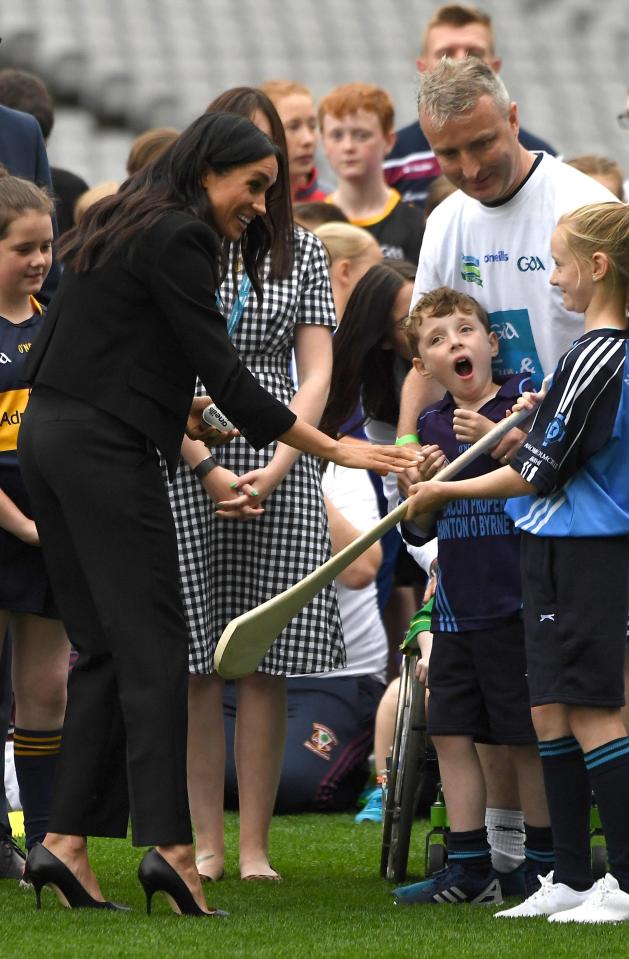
[(23, 152)]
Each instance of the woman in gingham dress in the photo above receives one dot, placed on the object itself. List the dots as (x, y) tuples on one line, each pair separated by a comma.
[(231, 565)]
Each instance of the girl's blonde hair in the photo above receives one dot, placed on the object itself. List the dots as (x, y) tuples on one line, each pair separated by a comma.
[(18, 196), (277, 90), (343, 241), (600, 227)]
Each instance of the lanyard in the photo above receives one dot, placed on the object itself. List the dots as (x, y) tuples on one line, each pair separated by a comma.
[(238, 307)]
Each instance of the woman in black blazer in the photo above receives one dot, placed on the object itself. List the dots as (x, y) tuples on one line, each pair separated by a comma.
[(113, 372)]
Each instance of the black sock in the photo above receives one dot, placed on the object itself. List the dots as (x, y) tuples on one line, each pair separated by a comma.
[(539, 854), (608, 769), (36, 753), (569, 798), (470, 849)]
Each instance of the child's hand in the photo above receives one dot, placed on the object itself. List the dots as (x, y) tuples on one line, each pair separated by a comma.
[(421, 670), (508, 445), (431, 460), (469, 426), (527, 401), (424, 498), (28, 533), (425, 644)]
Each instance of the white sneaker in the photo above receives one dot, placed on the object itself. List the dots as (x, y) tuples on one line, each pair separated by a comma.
[(550, 898), (606, 902)]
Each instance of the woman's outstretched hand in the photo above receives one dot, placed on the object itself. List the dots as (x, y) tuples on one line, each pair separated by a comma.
[(382, 459)]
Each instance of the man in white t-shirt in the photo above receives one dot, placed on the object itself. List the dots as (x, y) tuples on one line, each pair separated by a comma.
[(491, 239)]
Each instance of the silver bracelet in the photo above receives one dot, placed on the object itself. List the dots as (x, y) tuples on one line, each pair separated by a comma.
[(204, 467)]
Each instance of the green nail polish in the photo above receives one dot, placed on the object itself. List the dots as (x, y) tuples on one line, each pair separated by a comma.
[(233, 485), (254, 492)]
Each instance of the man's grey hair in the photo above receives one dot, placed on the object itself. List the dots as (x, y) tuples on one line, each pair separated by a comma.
[(454, 87)]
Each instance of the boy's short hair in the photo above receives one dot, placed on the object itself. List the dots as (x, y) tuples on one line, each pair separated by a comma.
[(459, 15), (351, 97), (440, 302), (313, 213)]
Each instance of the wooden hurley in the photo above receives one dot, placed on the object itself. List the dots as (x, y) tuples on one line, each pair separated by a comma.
[(246, 640)]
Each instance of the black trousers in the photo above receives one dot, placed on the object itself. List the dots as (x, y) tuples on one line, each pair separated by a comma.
[(109, 543)]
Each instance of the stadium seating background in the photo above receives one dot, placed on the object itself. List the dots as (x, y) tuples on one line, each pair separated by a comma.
[(117, 67)]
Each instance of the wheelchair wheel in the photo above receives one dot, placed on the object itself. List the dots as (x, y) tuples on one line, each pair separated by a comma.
[(407, 760), (437, 857), (599, 861)]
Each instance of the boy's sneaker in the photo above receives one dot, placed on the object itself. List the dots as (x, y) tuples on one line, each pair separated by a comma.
[(452, 886), (550, 898), (372, 810), (606, 902)]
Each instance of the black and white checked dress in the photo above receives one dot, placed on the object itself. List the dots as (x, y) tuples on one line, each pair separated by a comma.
[(228, 567)]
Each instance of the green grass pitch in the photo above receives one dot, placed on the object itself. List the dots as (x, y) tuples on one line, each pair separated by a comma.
[(331, 904)]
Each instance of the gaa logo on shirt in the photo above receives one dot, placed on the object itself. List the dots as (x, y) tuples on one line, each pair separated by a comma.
[(528, 264), (471, 269), (505, 331)]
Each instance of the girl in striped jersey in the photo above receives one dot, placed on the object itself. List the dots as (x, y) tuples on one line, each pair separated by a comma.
[(570, 489), (40, 646)]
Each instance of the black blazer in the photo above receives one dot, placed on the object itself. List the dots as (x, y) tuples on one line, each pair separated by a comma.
[(131, 336)]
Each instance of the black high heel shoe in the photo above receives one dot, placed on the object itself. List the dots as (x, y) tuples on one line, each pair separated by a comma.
[(44, 869), (156, 875)]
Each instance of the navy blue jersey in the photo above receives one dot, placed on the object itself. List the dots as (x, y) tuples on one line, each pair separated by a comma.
[(478, 585), (15, 342), (576, 454)]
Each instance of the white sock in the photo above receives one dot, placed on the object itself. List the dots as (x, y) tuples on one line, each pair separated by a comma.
[(505, 834)]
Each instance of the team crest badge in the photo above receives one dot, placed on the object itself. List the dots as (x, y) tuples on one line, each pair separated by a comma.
[(555, 431), (322, 741)]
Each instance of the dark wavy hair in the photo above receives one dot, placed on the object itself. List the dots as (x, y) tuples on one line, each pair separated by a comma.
[(246, 102), (215, 141), (362, 371)]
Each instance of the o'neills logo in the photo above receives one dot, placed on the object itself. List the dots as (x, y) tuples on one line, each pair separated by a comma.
[(322, 741), (499, 257)]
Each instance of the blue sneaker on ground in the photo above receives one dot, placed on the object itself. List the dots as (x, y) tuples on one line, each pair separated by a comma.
[(372, 810), (452, 886)]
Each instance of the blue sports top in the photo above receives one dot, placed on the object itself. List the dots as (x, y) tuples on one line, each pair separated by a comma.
[(478, 583), (577, 452)]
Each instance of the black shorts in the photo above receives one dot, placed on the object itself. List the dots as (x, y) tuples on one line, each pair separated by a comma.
[(575, 592), (478, 687)]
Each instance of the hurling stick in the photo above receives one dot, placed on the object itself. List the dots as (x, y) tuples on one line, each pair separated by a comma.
[(246, 640)]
